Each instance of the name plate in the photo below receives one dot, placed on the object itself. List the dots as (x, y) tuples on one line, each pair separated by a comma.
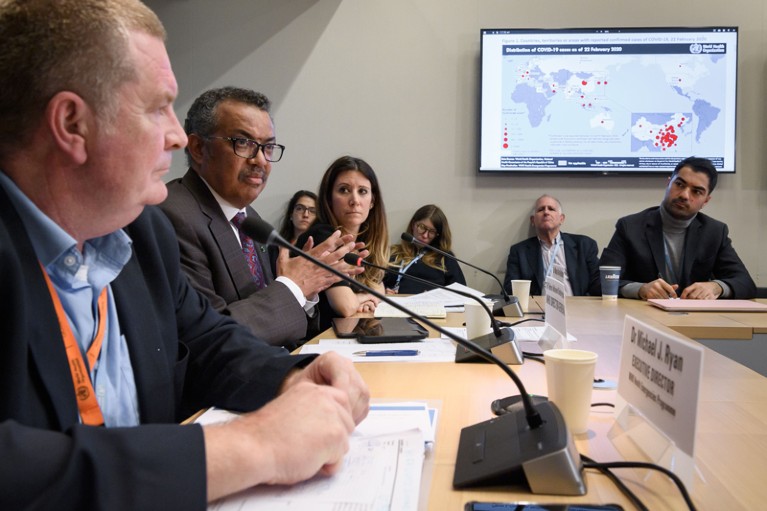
[(660, 377), (555, 304)]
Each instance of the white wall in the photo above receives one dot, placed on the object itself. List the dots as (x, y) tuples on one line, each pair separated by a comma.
[(396, 83)]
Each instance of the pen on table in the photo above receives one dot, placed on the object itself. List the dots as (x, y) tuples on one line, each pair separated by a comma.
[(387, 353)]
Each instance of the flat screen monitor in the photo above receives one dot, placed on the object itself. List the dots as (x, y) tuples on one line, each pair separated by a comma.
[(607, 100)]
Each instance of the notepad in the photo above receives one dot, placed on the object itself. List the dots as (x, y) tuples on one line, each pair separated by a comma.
[(684, 305)]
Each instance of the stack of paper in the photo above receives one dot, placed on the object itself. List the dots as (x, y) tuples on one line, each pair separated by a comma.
[(422, 308), (381, 472)]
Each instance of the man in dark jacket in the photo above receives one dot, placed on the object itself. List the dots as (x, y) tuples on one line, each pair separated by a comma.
[(534, 258), (673, 250)]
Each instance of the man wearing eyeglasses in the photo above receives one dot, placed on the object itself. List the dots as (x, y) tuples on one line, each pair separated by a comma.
[(534, 258), (231, 149)]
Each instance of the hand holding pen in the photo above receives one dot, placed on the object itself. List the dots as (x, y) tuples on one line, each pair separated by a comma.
[(658, 288)]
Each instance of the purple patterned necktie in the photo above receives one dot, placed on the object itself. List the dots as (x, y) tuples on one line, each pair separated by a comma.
[(249, 251)]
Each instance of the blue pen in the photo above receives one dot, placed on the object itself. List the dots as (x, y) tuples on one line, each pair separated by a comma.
[(387, 353)]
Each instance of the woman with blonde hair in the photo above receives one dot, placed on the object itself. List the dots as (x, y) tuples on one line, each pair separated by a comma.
[(429, 226)]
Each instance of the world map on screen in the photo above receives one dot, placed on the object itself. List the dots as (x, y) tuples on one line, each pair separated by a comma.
[(668, 104)]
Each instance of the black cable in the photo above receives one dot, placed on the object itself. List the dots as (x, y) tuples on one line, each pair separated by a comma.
[(506, 323), (538, 357), (603, 404), (589, 463), (650, 466)]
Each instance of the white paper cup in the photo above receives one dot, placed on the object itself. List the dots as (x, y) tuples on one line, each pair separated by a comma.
[(521, 289), (477, 321), (570, 378)]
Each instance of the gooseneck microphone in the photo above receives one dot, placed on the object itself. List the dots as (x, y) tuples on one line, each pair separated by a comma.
[(500, 342), (505, 305), (532, 442)]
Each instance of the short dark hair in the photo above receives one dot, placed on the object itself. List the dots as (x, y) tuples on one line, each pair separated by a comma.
[(702, 165), (202, 120)]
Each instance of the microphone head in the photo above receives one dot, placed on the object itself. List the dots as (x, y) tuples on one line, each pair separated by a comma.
[(353, 259), (259, 230), (408, 237)]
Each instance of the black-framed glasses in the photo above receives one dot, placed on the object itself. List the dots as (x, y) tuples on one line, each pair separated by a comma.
[(422, 229), (301, 209), (247, 148)]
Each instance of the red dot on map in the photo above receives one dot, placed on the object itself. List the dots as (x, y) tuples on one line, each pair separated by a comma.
[(505, 146), (584, 82)]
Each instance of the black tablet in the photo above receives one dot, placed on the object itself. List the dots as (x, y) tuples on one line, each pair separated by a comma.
[(379, 330)]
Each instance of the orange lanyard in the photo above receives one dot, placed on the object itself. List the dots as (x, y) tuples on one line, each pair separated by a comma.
[(90, 413)]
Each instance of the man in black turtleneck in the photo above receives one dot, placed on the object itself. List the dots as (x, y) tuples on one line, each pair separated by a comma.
[(674, 250)]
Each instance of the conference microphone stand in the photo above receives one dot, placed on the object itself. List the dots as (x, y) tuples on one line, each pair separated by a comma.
[(504, 305), (531, 444), (500, 342)]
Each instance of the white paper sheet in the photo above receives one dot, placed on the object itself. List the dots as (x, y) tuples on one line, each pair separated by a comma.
[(430, 350)]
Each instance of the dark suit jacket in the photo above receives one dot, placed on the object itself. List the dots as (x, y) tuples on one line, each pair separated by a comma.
[(185, 356), (637, 247), (212, 258), (525, 263)]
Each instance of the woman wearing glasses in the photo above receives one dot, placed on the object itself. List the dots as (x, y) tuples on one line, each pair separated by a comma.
[(299, 216), (429, 226), (350, 199)]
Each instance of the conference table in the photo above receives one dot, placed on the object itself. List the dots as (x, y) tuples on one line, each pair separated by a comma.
[(731, 437), (741, 336)]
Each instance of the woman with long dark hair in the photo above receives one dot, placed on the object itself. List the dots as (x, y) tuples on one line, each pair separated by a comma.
[(350, 199), (300, 214)]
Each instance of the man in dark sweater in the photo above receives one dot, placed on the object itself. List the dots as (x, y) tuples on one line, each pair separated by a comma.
[(674, 250)]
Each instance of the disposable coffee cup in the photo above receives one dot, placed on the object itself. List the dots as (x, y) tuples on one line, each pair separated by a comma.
[(610, 277), (521, 289), (570, 378), (477, 321)]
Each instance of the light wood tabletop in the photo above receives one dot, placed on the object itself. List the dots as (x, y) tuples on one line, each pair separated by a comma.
[(731, 438)]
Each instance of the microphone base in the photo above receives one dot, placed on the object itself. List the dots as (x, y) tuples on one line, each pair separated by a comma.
[(503, 347), (505, 451), (508, 308)]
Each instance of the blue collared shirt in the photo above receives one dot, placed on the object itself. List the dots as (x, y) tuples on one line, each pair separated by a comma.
[(78, 279)]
